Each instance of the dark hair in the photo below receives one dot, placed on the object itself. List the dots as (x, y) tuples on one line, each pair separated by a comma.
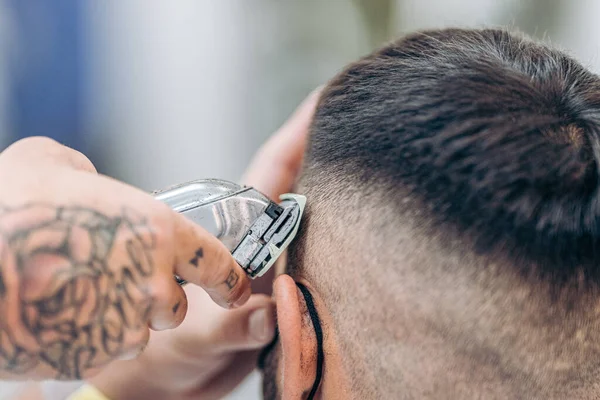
[(498, 135)]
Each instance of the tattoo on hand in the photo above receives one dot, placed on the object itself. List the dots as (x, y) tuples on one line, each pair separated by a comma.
[(75, 310), (197, 256), (232, 279)]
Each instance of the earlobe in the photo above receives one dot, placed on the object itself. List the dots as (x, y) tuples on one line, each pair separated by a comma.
[(297, 338)]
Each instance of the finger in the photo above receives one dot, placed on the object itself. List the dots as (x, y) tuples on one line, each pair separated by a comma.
[(43, 149), (242, 365), (169, 304), (274, 168), (249, 327), (135, 341), (79, 161), (203, 260)]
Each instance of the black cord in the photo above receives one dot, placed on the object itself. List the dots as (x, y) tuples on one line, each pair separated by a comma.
[(312, 311), (314, 317)]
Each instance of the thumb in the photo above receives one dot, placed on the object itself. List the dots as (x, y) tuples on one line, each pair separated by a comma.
[(249, 327), (275, 166)]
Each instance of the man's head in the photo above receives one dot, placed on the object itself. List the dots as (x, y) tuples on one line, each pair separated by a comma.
[(452, 235)]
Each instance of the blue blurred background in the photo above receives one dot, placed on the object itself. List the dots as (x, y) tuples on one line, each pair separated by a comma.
[(157, 93)]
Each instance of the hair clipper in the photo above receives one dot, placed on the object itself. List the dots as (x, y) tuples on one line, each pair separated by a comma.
[(255, 229)]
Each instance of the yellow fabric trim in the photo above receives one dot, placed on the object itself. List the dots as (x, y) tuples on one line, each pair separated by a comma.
[(87, 392)]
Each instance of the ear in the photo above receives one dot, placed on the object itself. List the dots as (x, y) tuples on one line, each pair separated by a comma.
[(298, 360)]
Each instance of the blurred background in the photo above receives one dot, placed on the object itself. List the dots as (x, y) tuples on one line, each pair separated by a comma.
[(157, 93)]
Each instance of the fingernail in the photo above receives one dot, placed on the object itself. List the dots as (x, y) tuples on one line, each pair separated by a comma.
[(243, 299), (131, 354), (261, 325)]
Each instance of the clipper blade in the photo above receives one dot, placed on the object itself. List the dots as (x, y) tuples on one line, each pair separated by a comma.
[(270, 235)]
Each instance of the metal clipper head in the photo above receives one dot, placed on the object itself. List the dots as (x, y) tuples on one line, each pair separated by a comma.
[(270, 235), (255, 229)]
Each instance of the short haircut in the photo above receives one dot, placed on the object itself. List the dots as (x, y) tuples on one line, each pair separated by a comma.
[(491, 136), (500, 135)]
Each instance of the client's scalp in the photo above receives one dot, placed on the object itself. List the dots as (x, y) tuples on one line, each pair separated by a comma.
[(453, 214)]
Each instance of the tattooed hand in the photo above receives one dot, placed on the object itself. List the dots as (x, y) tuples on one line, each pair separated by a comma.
[(210, 354), (87, 265)]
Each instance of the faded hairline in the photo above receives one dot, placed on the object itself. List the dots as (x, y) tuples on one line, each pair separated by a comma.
[(386, 273)]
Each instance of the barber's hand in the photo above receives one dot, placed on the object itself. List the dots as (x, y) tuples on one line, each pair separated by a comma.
[(87, 264), (212, 352)]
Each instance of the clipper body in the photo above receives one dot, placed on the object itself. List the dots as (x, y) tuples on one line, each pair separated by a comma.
[(254, 229)]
